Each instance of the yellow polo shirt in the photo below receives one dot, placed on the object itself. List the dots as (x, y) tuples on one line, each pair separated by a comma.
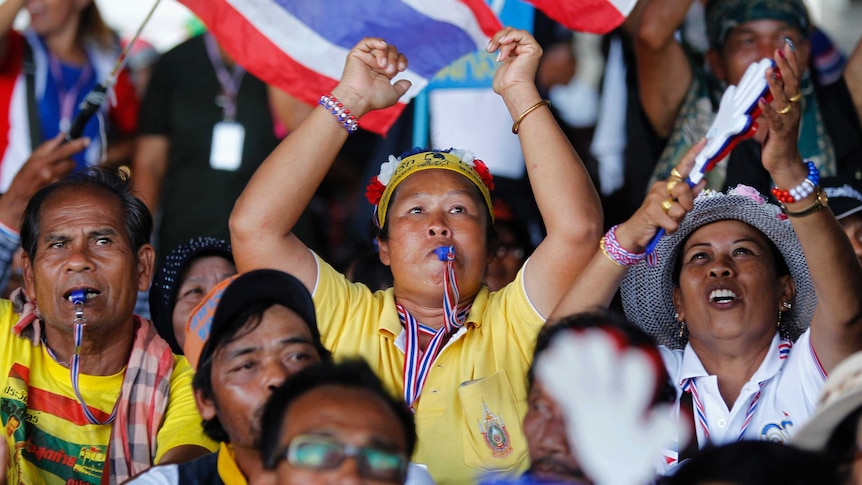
[(49, 439), (469, 415)]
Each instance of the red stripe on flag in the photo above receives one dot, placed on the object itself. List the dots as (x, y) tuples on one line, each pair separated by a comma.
[(596, 16), (488, 22), (263, 58)]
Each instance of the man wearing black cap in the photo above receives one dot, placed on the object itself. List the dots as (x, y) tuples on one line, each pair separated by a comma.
[(680, 99), (845, 200), (264, 330)]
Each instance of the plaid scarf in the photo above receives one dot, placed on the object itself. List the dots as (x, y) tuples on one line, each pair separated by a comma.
[(143, 397)]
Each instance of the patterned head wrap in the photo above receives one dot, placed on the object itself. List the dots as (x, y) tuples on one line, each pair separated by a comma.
[(722, 16), (166, 284), (396, 170)]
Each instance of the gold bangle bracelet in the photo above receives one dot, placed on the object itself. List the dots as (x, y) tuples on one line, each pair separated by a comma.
[(608, 255), (517, 125)]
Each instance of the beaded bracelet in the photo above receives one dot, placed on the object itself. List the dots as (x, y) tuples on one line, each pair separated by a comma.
[(802, 190), (341, 113), (616, 253)]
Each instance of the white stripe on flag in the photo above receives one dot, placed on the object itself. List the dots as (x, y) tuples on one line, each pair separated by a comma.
[(303, 44), (453, 12), (624, 6)]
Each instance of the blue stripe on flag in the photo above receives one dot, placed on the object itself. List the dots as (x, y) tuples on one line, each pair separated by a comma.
[(398, 23)]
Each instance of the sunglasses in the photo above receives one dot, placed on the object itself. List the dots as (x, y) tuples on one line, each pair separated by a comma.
[(321, 453)]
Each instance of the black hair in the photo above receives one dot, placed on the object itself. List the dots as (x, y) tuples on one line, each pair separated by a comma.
[(604, 319), (202, 380), (138, 221), (354, 374), (754, 463)]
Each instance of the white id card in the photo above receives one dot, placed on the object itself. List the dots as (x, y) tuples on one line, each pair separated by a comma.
[(226, 150)]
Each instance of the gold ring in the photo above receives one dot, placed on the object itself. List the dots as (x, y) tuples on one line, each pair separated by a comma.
[(666, 205), (786, 109), (795, 98), (670, 185), (675, 173)]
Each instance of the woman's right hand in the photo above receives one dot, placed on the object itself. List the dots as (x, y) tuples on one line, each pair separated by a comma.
[(366, 83), (665, 206)]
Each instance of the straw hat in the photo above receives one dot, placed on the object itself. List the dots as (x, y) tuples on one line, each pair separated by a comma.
[(646, 290)]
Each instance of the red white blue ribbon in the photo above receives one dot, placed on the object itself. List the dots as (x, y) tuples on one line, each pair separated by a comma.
[(417, 364), (690, 385)]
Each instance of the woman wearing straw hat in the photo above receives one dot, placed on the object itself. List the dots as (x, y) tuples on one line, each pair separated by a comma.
[(748, 330), (457, 353)]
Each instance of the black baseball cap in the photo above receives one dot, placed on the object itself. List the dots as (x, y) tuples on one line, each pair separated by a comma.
[(845, 195), (206, 328)]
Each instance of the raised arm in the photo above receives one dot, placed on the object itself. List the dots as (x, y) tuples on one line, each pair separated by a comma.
[(836, 327), (853, 77), (565, 195), (664, 73), (601, 278), (263, 217)]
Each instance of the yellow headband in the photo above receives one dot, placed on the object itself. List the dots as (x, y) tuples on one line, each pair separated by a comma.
[(478, 174)]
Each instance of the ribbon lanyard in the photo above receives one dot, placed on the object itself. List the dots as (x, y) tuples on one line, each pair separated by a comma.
[(690, 385), (417, 365), (67, 99), (78, 297), (229, 80)]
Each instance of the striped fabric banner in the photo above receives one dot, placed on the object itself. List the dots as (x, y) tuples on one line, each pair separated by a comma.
[(301, 45), (596, 16)]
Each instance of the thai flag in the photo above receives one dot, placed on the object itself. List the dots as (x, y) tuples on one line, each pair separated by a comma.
[(300, 45), (596, 16)]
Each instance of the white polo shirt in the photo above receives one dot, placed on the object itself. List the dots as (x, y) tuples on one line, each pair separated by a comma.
[(789, 380)]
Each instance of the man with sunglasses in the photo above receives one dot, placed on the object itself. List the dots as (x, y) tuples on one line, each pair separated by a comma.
[(337, 424)]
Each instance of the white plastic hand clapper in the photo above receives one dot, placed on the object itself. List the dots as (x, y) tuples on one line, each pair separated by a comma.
[(605, 393), (735, 119)]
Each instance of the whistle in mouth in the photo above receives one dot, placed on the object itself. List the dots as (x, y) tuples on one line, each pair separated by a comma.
[(78, 297), (445, 253)]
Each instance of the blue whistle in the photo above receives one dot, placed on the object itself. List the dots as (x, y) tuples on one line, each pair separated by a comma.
[(443, 252), (78, 297)]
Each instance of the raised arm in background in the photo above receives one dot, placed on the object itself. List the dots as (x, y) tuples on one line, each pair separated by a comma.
[(664, 73)]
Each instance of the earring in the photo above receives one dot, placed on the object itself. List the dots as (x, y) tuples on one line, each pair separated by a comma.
[(681, 324), (786, 305)]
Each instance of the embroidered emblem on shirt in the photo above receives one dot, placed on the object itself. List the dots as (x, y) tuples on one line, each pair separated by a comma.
[(496, 436), (778, 432)]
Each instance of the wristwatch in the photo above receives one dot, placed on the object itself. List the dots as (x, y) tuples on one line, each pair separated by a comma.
[(821, 200)]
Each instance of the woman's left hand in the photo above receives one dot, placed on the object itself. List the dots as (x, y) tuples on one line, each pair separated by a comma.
[(780, 153), (519, 56)]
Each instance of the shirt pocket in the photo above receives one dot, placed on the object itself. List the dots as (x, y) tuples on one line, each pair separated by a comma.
[(493, 438)]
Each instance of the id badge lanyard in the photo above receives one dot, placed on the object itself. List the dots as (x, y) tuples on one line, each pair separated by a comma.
[(228, 134)]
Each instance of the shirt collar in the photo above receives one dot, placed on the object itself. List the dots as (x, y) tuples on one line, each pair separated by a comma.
[(692, 366), (228, 470), (390, 324)]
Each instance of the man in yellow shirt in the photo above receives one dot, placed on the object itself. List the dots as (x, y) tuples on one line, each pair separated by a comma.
[(456, 353), (86, 387)]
